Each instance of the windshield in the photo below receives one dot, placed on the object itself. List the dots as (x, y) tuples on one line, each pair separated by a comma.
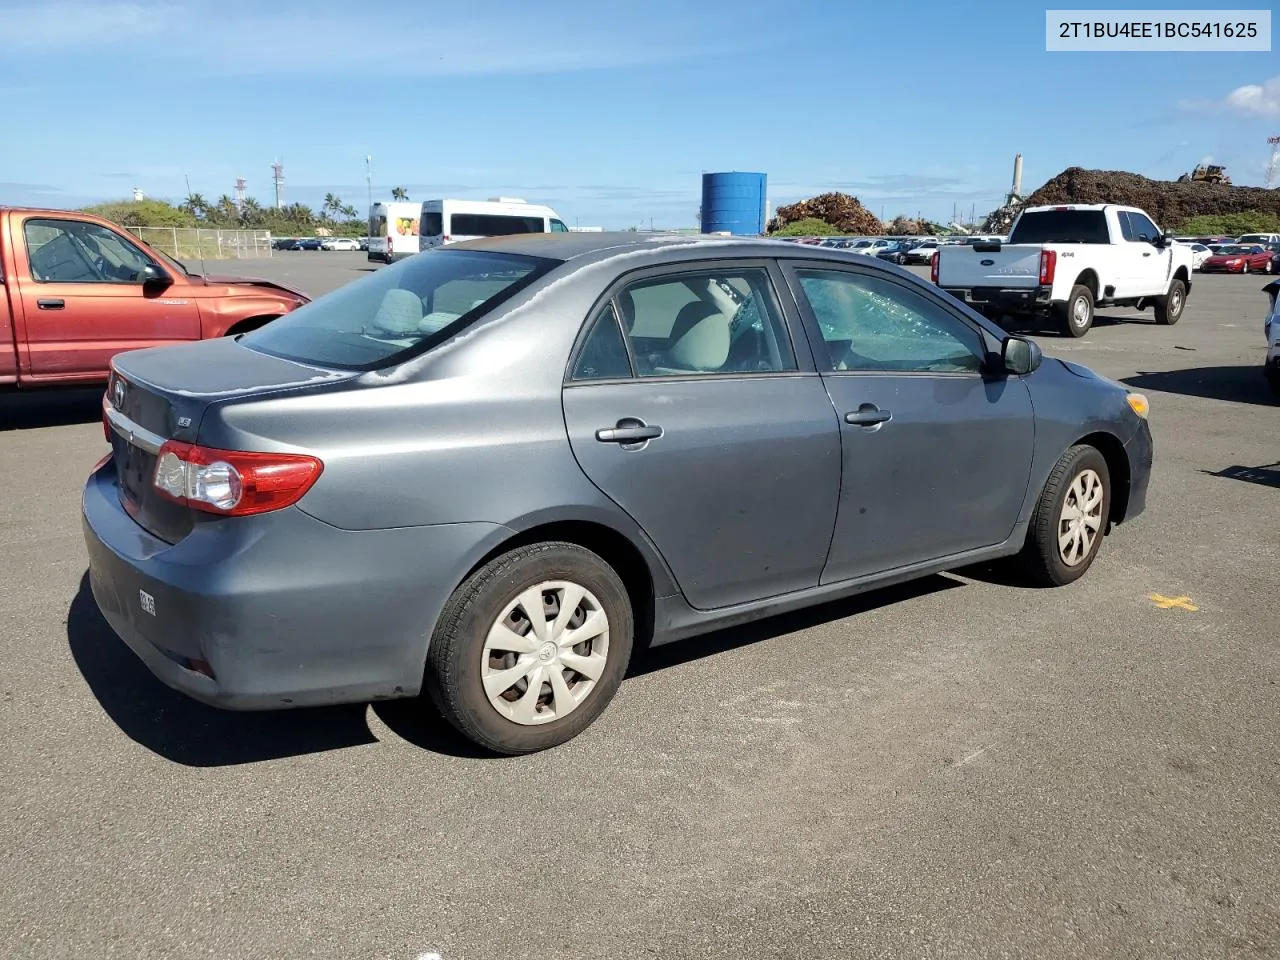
[(1237, 250), (400, 311), (1061, 226), (176, 264)]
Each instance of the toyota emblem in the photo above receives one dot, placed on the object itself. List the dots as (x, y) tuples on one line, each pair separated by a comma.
[(117, 393)]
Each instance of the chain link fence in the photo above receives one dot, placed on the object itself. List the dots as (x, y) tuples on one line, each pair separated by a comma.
[(194, 243)]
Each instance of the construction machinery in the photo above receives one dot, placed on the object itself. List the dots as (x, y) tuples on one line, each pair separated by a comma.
[(1206, 173)]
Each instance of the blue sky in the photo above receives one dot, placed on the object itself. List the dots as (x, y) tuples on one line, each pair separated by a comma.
[(610, 112)]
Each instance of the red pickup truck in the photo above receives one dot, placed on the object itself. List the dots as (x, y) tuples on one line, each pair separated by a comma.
[(77, 289)]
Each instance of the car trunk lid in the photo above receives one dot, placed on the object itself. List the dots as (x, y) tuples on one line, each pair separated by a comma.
[(163, 394)]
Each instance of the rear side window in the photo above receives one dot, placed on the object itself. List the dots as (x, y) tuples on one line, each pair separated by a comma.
[(398, 312), (493, 225), (1061, 226)]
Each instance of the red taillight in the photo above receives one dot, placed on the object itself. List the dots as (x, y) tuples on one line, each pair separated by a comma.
[(231, 482), (1048, 264), (933, 267)]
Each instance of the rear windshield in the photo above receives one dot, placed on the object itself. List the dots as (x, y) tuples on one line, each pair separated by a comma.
[(432, 223), (398, 311), (1061, 226)]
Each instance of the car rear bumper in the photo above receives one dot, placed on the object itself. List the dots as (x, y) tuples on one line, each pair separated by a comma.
[(1140, 451), (278, 610), (1019, 300)]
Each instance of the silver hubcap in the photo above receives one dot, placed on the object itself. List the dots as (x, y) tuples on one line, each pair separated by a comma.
[(546, 652), (1080, 311), (1176, 306), (1081, 519)]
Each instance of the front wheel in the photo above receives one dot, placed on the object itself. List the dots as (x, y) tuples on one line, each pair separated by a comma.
[(1168, 309), (1244, 267), (1076, 315), (531, 648), (1070, 519)]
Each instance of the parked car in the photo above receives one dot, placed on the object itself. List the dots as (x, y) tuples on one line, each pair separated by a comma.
[(1240, 258), (1271, 330), (275, 528), (874, 247), (895, 253), (1199, 253), (339, 243), (309, 243), (923, 252), (1263, 239), (76, 289), (364, 243), (1064, 261)]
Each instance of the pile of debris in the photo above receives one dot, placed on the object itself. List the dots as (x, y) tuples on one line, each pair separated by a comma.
[(1170, 203), (906, 227), (840, 210)]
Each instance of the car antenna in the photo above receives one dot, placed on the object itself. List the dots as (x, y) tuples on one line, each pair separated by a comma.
[(204, 271)]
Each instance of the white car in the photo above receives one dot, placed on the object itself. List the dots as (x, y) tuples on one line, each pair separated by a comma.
[(1066, 260), (1271, 327), (340, 243), (874, 247), (1199, 254)]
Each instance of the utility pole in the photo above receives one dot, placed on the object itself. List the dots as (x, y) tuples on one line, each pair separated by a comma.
[(368, 178)]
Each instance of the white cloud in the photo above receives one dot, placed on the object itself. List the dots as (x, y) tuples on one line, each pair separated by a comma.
[(1253, 99), (404, 40)]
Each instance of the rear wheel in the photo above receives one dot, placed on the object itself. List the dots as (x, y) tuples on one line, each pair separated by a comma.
[(1070, 519), (531, 648), (1076, 315), (1168, 309)]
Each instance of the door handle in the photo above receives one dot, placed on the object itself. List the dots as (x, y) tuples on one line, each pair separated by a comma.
[(1147, 254), (51, 304), (629, 431), (868, 415)]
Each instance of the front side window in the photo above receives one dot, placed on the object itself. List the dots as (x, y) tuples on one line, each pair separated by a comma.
[(723, 321), (72, 251), (874, 325), (398, 312), (557, 226), (1144, 231)]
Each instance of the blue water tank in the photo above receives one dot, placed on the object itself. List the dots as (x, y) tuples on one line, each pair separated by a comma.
[(733, 202)]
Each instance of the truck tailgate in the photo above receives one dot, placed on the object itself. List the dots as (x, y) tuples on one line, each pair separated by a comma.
[(1013, 266)]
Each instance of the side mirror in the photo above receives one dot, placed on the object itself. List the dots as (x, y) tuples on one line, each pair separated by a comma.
[(1020, 355), (154, 277), (1165, 240)]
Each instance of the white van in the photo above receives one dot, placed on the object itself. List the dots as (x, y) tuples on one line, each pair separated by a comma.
[(393, 231), (450, 221)]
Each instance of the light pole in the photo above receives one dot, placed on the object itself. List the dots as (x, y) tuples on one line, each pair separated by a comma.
[(368, 179)]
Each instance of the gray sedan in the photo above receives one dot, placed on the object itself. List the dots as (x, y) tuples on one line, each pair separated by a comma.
[(492, 471)]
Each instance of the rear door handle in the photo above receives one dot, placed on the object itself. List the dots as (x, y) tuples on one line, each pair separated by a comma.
[(1147, 254), (868, 415), (51, 304), (629, 431)]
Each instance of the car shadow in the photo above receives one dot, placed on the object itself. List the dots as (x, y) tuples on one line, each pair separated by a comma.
[(22, 410), (733, 638), (1267, 475), (1238, 384)]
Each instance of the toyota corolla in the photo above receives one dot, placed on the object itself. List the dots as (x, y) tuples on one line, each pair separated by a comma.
[(487, 473)]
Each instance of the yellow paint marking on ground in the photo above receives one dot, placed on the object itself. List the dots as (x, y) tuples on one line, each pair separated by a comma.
[(1166, 603)]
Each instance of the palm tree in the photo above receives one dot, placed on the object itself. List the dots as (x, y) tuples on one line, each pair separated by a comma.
[(226, 209), (299, 213), (250, 212), (195, 204), (332, 204), (350, 212), (399, 193)]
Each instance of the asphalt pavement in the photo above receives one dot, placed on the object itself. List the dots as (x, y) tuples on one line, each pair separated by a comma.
[(955, 768)]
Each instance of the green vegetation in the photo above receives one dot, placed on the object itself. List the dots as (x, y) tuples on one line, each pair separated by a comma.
[(297, 219), (1231, 224), (808, 227)]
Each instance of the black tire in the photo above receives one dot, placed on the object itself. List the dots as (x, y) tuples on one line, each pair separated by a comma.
[(1040, 561), (1268, 267), (1075, 317), (1168, 309), (454, 661)]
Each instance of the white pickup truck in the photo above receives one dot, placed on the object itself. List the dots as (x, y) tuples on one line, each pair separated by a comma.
[(1065, 261)]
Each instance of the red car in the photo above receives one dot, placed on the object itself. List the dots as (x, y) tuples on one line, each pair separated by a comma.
[(1239, 258)]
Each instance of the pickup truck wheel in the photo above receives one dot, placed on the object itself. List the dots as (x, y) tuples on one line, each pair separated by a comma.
[(1168, 309), (1069, 521), (1076, 315)]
